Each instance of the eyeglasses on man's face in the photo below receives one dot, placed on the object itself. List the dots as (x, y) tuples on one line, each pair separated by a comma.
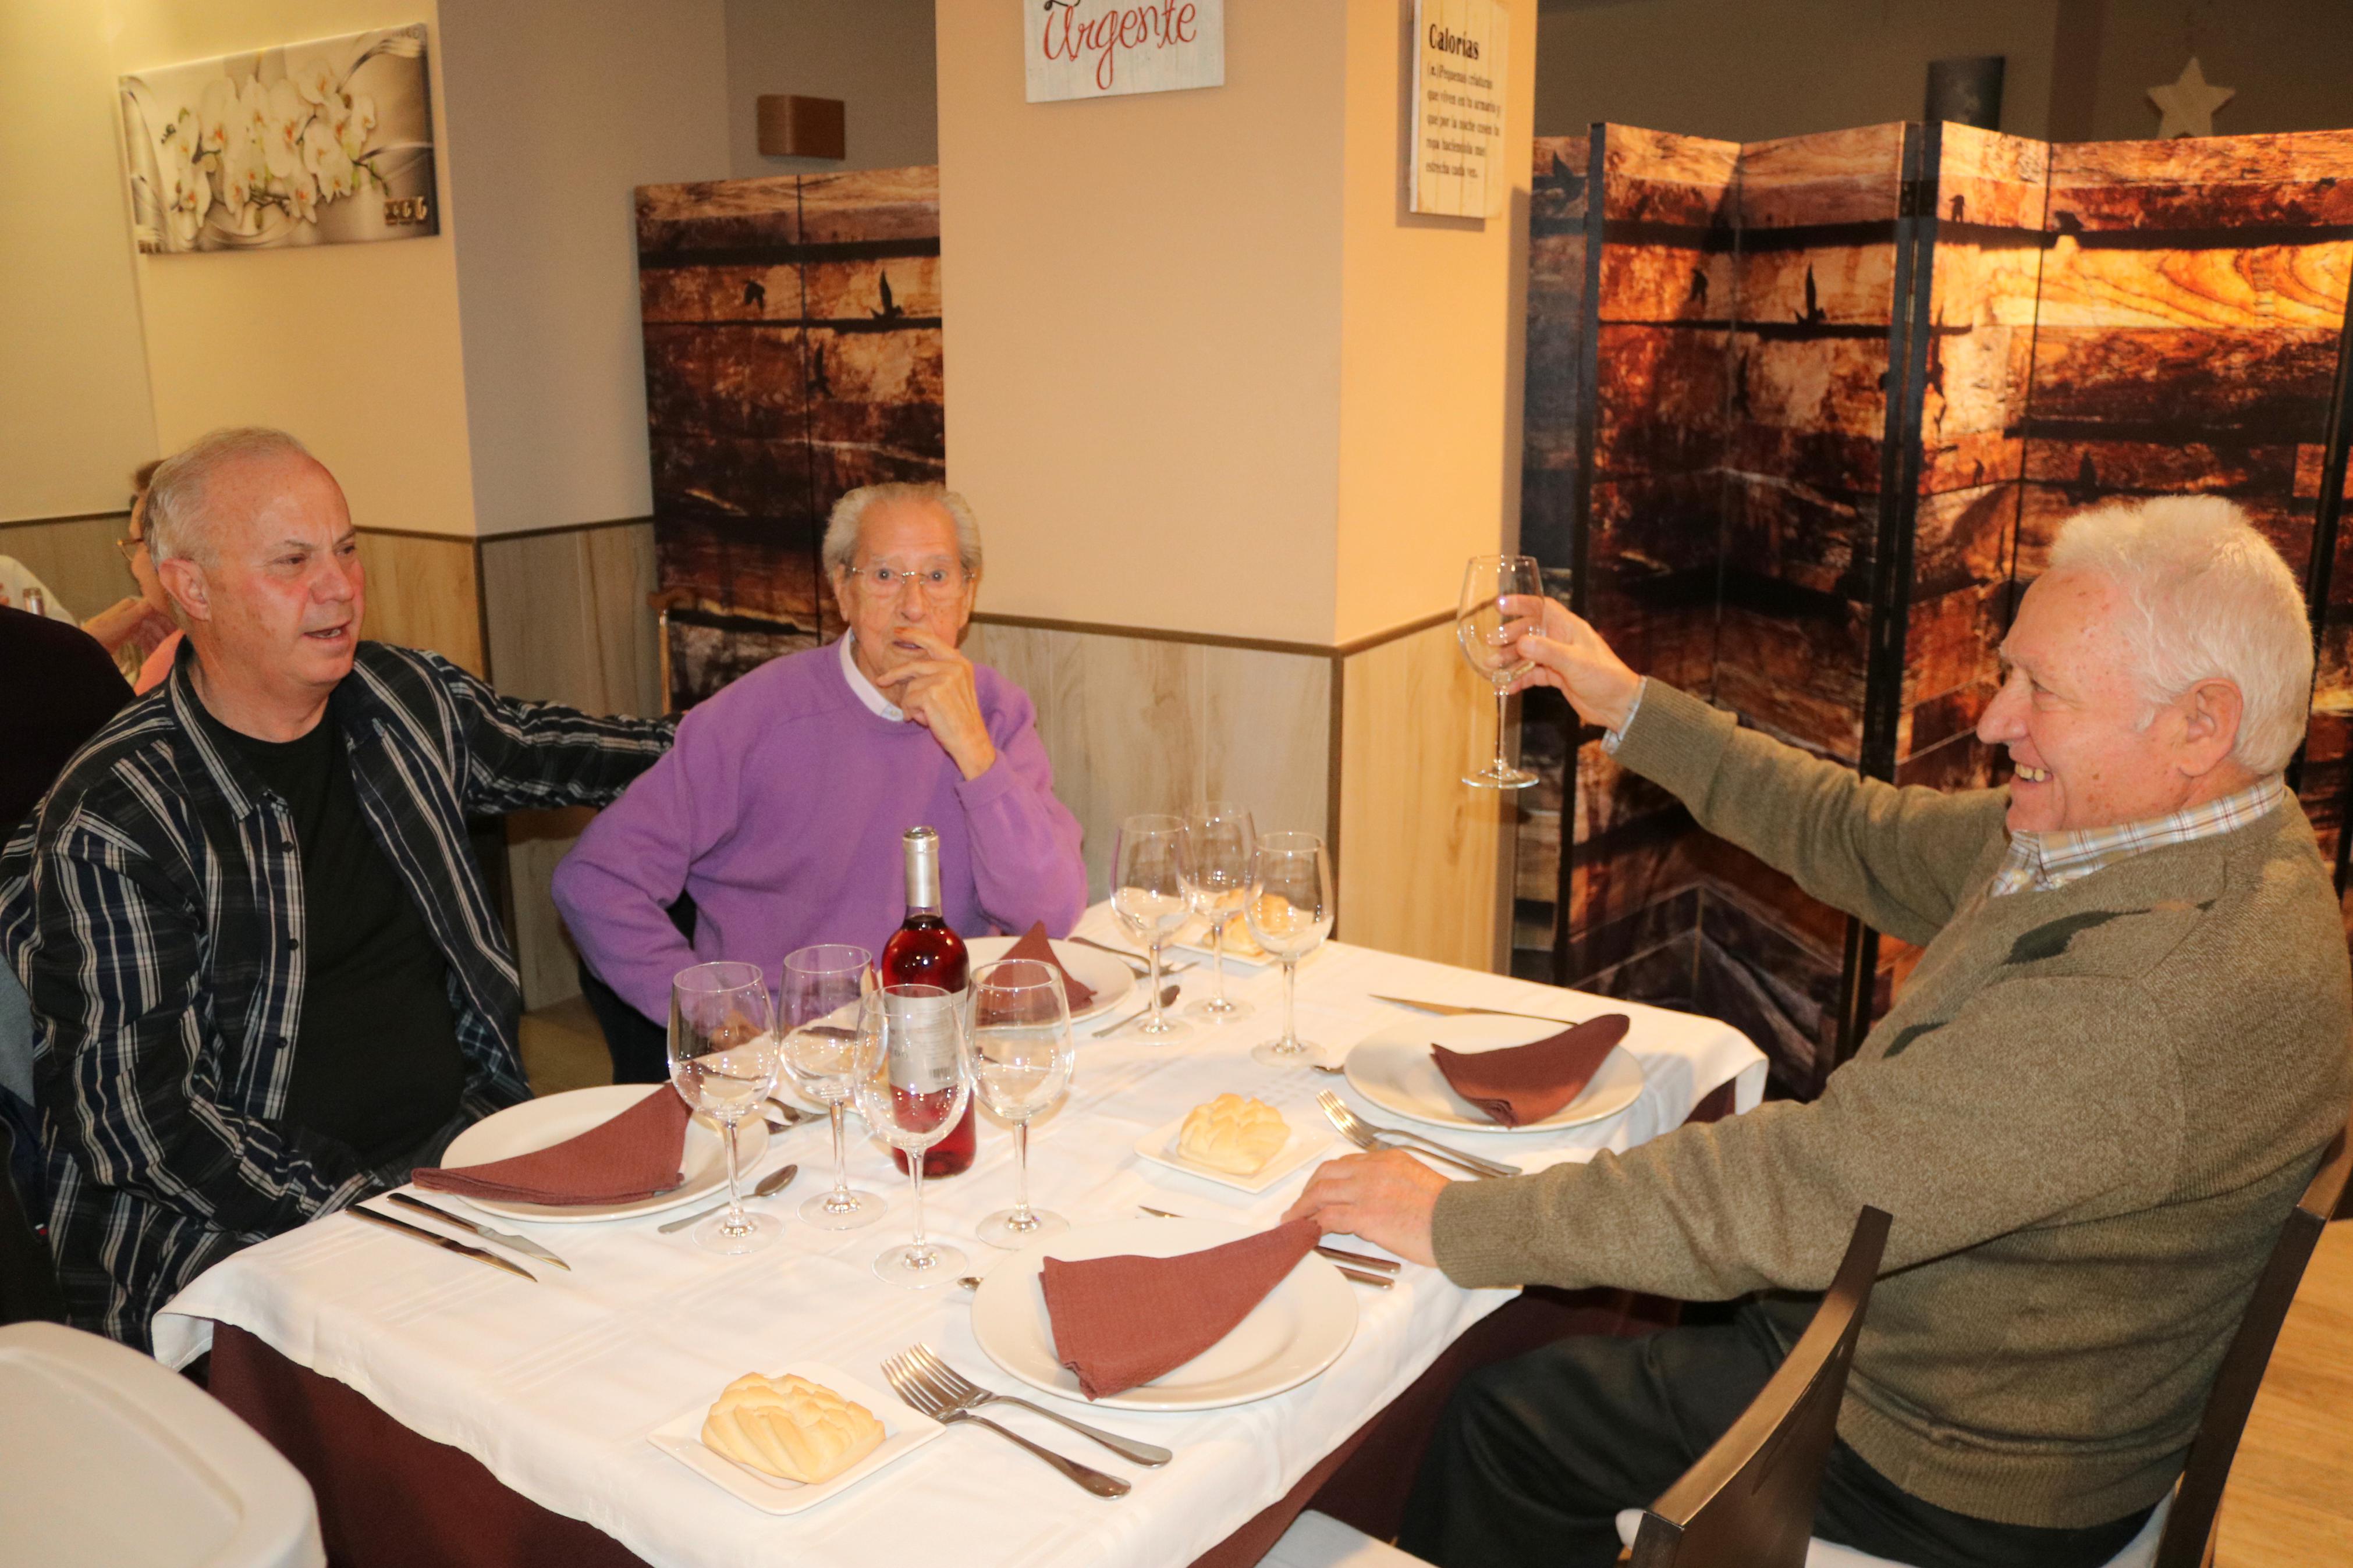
[(937, 582)]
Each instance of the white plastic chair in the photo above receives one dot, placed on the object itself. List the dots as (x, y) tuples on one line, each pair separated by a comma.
[(109, 1456)]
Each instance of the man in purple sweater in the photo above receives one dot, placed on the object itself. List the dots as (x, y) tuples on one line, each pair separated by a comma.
[(781, 807)]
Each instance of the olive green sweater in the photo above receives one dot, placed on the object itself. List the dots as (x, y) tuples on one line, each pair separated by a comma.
[(2088, 1113)]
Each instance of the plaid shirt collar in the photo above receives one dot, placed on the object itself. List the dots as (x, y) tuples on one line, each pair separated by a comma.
[(2039, 862)]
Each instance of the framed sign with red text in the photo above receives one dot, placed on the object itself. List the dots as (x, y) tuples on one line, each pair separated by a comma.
[(1095, 49)]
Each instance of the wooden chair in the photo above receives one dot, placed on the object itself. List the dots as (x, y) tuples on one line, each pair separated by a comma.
[(2180, 1534), (1749, 1501)]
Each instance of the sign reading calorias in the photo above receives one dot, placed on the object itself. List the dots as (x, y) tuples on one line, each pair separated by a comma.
[(1095, 49), (1461, 50)]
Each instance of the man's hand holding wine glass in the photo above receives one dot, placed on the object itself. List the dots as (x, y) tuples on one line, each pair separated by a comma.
[(1569, 655)]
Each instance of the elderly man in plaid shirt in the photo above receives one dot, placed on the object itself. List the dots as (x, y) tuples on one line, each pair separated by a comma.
[(266, 975)]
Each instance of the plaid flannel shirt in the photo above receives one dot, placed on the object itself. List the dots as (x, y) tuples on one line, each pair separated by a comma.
[(153, 907), (2041, 861)]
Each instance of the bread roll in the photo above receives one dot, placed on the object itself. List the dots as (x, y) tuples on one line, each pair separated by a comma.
[(790, 1428), (1233, 1133)]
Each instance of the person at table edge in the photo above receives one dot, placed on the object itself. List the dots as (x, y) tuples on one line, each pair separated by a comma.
[(2088, 1112), (782, 810), (267, 977)]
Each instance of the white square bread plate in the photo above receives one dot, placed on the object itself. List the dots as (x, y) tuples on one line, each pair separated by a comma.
[(1306, 1144), (903, 1432)]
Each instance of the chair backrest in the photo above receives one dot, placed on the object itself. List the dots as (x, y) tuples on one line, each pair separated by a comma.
[(2189, 1538), (1750, 1499)]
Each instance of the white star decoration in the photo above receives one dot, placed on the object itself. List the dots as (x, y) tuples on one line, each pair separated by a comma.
[(2190, 103)]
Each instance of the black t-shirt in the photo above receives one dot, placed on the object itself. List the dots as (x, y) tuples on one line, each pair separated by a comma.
[(376, 1063)]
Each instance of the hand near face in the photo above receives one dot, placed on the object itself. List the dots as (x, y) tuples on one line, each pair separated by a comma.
[(1387, 1198), (1570, 655), (937, 692)]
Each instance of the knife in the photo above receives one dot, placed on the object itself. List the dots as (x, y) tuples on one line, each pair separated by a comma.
[(522, 1244), (422, 1234), (1456, 1010), (1351, 1263)]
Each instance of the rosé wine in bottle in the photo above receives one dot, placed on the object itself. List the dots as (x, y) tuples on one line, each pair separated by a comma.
[(924, 952)]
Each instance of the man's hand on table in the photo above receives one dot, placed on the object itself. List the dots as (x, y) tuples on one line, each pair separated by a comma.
[(1387, 1198), (1569, 654), (938, 693)]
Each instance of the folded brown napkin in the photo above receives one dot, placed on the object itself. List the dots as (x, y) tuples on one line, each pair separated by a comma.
[(1521, 1084), (1033, 945), (634, 1155), (1122, 1321)]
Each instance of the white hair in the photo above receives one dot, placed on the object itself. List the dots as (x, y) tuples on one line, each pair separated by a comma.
[(849, 514), (176, 524), (2209, 598)]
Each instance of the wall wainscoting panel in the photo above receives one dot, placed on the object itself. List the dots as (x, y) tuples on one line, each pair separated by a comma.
[(424, 591), (75, 556), (568, 617)]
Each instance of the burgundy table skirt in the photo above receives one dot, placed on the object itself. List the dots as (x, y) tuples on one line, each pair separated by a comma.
[(390, 1499)]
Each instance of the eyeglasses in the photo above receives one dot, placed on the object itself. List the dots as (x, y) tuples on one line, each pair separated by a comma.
[(938, 583), (131, 549)]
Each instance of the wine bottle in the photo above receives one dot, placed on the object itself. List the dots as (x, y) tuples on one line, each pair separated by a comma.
[(924, 951)]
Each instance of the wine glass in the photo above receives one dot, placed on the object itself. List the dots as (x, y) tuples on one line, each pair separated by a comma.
[(1149, 866), (1289, 912), (821, 991), (1021, 1058), (912, 1084), (1220, 838), (1481, 623), (724, 1059)]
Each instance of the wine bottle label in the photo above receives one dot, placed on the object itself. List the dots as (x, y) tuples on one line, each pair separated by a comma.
[(923, 1041)]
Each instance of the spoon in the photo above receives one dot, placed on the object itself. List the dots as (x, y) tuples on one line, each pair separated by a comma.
[(1167, 994), (770, 1186)]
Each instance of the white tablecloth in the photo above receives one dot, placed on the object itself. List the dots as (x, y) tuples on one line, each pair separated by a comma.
[(553, 1386)]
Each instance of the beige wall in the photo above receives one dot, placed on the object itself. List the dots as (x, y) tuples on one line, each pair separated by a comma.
[(2291, 62), (876, 56), (1430, 311), (75, 413), (352, 347), (1143, 328), (557, 114)]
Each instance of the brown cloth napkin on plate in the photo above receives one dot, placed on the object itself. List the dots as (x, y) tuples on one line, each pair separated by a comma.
[(1122, 1321), (634, 1155), (1521, 1084), (1033, 945)]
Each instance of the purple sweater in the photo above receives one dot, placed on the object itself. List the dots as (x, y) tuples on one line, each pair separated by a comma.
[(781, 809)]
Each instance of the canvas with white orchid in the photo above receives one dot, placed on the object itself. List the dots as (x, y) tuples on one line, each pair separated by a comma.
[(326, 143)]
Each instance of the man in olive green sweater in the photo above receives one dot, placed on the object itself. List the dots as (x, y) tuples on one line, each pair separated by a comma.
[(2089, 1112)]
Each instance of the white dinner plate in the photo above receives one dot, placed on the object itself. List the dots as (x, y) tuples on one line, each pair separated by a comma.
[(551, 1119), (1099, 972), (903, 1432), (1298, 1331), (1305, 1144), (1392, 1068)]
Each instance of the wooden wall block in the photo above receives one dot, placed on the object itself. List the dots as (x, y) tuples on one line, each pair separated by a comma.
[(568, 617), (424, 591), (793, 125), (76, 557)]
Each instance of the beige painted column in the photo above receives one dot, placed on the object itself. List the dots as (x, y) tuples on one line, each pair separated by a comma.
[(1210, 381)]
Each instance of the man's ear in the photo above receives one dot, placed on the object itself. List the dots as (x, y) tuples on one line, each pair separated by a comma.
[(2210, 714), (184, 581)]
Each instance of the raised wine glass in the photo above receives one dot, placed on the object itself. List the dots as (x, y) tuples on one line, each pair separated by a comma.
[(724, 1061), (1021, 1055), (821, 991), (1481, 623), (912, 1083), (1289, 912), (1220, 838), (1147, 893)]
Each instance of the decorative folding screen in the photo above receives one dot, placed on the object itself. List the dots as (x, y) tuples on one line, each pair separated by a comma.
[(1802, 418), (792, 331)]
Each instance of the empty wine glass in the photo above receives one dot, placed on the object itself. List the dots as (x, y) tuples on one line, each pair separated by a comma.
[(1147, 893), (1482, 625), (1289, 912), (1021, 1056), (912, 1083), (724, 1061), (821, 991), (1218, 841)]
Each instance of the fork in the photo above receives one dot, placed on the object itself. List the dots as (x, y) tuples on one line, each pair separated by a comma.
[(909, 1387), (924, 1362), (1364, 1135)]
